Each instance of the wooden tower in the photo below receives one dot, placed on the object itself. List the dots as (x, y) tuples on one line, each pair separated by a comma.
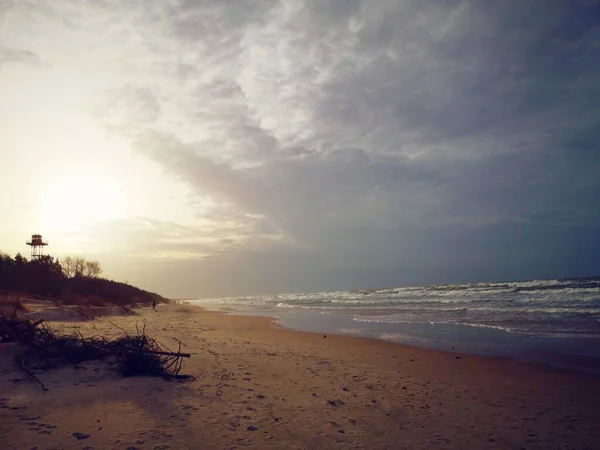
[(37, 245)]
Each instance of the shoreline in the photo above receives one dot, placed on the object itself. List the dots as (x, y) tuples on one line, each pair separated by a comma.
[(260, 385), (505, 345), (378, 342)]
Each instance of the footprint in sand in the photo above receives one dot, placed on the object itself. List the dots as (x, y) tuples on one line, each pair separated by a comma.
[(440, 440), (80, 436), (21, 417), (189, 407)]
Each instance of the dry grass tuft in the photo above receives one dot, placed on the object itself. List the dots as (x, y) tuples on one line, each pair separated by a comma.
[(87, 312), (12, 305)]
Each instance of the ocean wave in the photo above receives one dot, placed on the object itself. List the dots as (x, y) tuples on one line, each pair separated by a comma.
[(548, 305)]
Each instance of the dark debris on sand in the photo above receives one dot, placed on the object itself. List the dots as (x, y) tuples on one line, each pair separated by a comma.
[(133, 354)]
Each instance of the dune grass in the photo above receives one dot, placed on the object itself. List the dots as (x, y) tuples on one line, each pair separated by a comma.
[(12, 305)]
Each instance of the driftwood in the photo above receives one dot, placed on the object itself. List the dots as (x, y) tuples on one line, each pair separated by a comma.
[(7, 334), (133, 354), (35, 324), (181, 355), (15, 329), (30, 373)]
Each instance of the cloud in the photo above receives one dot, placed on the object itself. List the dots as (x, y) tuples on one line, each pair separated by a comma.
[(135, 104), (335, 117), (223, 233), (363, 131), (11, 55)]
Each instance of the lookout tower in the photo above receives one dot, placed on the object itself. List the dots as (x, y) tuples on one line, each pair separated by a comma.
[(37, 245)]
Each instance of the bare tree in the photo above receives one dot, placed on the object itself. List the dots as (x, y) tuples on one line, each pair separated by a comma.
[(79, 267), (76, 267), (68, 266), (92, 269)]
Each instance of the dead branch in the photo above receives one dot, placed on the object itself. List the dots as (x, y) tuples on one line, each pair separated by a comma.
[(133, 355), (116, 326), (178, 354), (30, 373)]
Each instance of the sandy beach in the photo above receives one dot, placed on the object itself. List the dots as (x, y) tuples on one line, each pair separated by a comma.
[(258, 385)]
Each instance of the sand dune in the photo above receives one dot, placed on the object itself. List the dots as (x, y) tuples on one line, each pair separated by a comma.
[(260, 386)]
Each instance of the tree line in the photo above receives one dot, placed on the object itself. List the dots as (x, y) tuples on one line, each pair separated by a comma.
[(73, 280)]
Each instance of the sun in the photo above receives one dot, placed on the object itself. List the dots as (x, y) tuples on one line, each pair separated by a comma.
[(80, 199)]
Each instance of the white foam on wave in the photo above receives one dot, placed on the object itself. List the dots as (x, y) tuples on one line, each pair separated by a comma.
[(381, 319), (482, 325), (523, 306), (284, 305)]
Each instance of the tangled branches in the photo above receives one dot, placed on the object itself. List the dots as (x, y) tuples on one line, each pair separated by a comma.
[(133, 355)]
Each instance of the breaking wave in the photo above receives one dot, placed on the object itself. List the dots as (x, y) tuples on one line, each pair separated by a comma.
[(559, 306)]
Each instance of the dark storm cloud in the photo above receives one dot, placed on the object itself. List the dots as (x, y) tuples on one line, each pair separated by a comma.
[(422, 138)]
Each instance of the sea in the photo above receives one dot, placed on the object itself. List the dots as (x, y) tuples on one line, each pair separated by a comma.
[(554, 322)]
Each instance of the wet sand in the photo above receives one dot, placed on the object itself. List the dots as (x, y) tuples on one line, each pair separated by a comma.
[(261, 386)]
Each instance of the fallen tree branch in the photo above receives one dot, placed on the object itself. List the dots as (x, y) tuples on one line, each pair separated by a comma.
[(178, 354), (30, 373), (132, 354), (116, 326)]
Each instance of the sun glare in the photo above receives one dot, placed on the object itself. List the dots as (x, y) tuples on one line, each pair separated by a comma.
[(77, 200)]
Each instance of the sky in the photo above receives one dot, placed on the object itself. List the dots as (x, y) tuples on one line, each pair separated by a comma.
[(209, 148)]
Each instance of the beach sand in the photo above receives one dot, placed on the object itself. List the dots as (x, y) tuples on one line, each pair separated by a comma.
[(260, 386)]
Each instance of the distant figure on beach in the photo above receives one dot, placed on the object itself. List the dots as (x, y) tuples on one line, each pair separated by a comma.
[(154, 305)]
